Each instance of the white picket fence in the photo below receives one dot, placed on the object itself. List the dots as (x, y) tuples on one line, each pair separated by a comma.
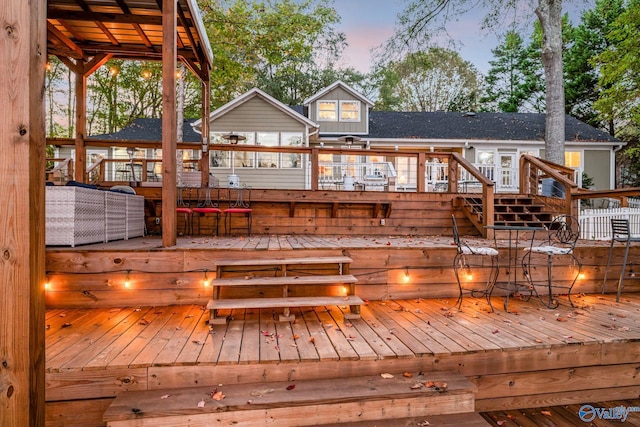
[(595, 224)]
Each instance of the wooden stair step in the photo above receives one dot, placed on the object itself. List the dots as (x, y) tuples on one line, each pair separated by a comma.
[(338, 279), (470, 419), (284, 302), (295, 403), (284, 261)]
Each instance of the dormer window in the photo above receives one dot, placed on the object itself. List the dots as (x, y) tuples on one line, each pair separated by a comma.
[(328, 111), (344, 111), (349, 111)]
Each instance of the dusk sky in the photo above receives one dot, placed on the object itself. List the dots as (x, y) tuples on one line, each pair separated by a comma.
[(368, 23)]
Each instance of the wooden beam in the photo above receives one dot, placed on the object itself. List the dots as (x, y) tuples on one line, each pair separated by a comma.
[(66, 41), (81, 124), (22, 143), (206, 108), (136, 25), (115, 18), (169, 125), (95, 63)]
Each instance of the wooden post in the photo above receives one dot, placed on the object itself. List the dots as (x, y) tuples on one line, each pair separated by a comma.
[(315, 173), (23, 43), (452, 174), (420, 183), (169, 125), (206, 108), (81, 122)]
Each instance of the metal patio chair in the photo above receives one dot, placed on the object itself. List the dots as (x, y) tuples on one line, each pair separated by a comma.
[(620, 232)]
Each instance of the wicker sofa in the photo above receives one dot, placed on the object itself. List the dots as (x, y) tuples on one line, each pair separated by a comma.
[(77, 215)]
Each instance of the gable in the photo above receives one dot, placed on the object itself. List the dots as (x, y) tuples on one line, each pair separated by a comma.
[(256, 114)]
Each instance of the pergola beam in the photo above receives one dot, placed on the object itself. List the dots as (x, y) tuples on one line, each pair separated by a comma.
[(169, 125), (22, 257)]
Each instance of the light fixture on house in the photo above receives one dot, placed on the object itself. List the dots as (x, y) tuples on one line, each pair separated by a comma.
[(233, 138)]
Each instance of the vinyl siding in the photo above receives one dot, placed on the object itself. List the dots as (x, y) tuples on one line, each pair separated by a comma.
[(339, 94), (256, 115), (597, 165)]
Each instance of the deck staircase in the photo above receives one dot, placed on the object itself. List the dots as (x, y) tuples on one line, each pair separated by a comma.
[(330, 401), (512, 209)]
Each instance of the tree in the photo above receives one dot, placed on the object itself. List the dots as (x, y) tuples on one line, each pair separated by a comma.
[(422, 19), (620, 68), (514, 81), (438, 79), (619, 86), (283, 47), (581, 76)]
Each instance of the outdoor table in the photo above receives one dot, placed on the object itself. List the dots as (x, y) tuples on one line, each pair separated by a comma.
[(512, 286)]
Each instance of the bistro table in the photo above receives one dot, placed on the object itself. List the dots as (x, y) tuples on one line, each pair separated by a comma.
[(512, 286)]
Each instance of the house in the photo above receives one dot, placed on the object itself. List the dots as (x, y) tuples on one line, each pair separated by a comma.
[(339, 116), (491, 141)]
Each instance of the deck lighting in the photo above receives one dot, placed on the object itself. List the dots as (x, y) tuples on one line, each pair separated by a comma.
[(127, 283), (467, 272), (48, 66), (47, 283), (113, 71), (146, 74), (407, 276), (205, 281)]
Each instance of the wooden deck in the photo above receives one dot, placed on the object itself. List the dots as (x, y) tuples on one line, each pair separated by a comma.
[(528, 357)]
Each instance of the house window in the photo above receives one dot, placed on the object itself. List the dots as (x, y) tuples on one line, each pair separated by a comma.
[(328, 111), (291, 160), (268, 159), (349, 111), (573, 159)]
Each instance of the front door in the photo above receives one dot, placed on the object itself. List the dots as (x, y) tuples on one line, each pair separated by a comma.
[(507, 172)]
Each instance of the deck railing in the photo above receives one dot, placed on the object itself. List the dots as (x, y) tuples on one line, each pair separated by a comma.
[(59, 171), (553, 183)]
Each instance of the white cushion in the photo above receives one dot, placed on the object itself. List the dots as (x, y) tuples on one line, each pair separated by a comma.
[(551, 250), (479, 250)]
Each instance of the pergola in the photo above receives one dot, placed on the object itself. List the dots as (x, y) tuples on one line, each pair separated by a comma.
[(84, 34)]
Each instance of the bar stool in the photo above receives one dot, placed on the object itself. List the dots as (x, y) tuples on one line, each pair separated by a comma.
[(239, 203), (462, 263), (620, 232), (206, 205), (183, 208)]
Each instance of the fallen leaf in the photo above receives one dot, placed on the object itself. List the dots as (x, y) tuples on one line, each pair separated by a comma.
[(386, 376), (165, 396), (218, 395), (66, 325), (296, 336), (201, 404), (547, 413), (143, 322), (312, 340), (416, 386), (561, 319), (407, 375), (496, 332), (291, 387)]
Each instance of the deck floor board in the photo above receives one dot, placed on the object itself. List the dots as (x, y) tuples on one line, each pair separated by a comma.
[(107, 338)]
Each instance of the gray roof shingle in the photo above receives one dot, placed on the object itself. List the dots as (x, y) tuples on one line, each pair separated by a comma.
[(475, 126), (149, 130), (416, 125)]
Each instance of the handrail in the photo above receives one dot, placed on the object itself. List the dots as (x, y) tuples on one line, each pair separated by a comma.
[(488, 192), (64, 164), (548, 170), (621, 194)]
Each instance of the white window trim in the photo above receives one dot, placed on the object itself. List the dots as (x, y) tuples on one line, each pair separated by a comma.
[(357, 119), (327, 101)]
